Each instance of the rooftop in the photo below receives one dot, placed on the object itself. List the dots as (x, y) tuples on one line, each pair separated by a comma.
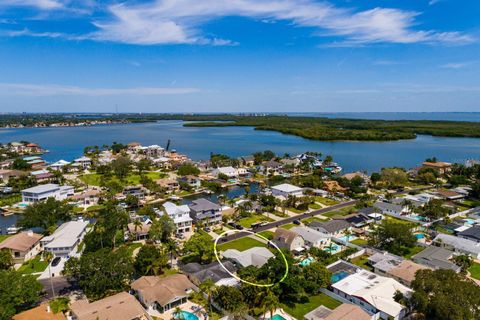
[(309, 234), (66, 235), (256, 256), (162, 290), (203, 205), (286, 187), (22, 241), (43, 188)]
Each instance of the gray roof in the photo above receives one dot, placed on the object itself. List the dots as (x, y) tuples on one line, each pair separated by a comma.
[(42, 188), (368, 210), (461, 244), (202, 204), (309, 234), (437, 258), (213, 271), (388, 206), (384, 261), (471, 233), (330, 226)]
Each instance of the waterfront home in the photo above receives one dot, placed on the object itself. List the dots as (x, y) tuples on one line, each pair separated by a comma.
[(256, 256), (271, 166), (311, 237), (373, 293), (390, 208), (121, 306), (37, 163), (170, 185), (247, 161), (198, 273), (287, 239), (59, 165), (139, 232), (458, 245), (472, 233), (162, 294), (137, 191), (357, 174), (23, 246), (333, 187), (180, 216), (332, 228), (87, 197), (230, 172), (191, 181), (84, 162), (436, 258), (286, 189), (441, 167), (42, 176), (63, 242), (45, 191), (205, 211), (346, 311)]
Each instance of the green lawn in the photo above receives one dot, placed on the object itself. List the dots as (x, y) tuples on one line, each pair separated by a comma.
[(288, 226), (360, 242), (294, 210), (413, 251), (33, 266), (132, 179), (132, 246), (4, 236), (241, 244), (361, 262), (314, 206), (299, 310), (341, 212), (247, 222), (475, 270), (311, 219), (267, 234), (326, 201)]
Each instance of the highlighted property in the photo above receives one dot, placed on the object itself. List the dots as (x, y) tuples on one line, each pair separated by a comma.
[(237, 277)]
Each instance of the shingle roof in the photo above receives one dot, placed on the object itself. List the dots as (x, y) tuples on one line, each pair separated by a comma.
[(285, 236), (22, 241), (471, 233), (330, 226), (162, 290), (213, 271), (203, 205)]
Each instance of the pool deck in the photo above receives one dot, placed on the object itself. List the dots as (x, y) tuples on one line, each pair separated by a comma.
[(169, 314), (279, 312)]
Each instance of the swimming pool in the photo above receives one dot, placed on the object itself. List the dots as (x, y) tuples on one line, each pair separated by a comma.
[(277, 317), (347, 238), (469, 221), (337, 276), (307, 261), (419, 235), (185, 315), (333, 248)]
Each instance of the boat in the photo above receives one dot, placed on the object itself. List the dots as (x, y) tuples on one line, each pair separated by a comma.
[(175, 198), (13, 230)]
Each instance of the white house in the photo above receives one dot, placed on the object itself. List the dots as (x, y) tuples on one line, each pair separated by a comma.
[(459, 245), (45, 191), (285, 190), (256, 256), (64, 240), (59, 165), (312, 238), (373, 293), (84, 162), (230, 172), (180, 216)]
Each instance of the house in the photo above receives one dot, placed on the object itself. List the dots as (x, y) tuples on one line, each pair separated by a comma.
[(171, 185), (84, 162), (23, 246), (285, 190), (363, 176), (121, 306), (373, 293), (390, 208), (45, 191), (332, 228), (230, 172), (345, 311), (396, 267), (441, 167), (472, 233), (42, 176), (436, 258), (64, 240), (6, 174), (247, 161), (137, 191), (139, 232), (42, 312), (383, 262), (458, 245), (287, 239), (162, 294), (272, 166), (191, 181), (405, 272), (358, 220), (311, 237), (180, 216), (256, 256), (59, 165), (449, 194), (333, 187), (88, 197), (198, 273), (207, 212)]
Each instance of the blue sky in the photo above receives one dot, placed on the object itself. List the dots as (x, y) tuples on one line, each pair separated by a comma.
[(239, 55)]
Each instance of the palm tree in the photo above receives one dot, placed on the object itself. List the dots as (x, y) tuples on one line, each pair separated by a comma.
[(348, 234), (270, 302), (178, 314), (208, 286)]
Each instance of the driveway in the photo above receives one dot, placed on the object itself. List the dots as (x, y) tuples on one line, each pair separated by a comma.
[(53, 271)]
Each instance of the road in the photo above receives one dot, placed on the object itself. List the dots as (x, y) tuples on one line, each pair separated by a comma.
[(282, 222)]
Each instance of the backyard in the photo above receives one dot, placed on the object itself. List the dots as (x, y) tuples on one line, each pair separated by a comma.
[(33, 266), (299, 310), (241, 244), (94, 179), (475, 270), (247, 222)]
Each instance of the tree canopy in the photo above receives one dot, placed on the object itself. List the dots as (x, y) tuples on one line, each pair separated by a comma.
[(395, 237), (17, 293), (45, 214)]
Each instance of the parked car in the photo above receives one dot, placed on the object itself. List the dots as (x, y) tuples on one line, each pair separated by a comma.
[(56, 261), (207, 229), (297, 222)]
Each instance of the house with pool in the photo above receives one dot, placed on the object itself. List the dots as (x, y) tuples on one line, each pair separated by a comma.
[(162, 294)]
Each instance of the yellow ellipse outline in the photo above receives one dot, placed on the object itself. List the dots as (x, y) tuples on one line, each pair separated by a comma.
[(237, 277)]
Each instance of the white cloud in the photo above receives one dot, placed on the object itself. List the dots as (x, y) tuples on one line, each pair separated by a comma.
[(179, 21), (457, 65), (41, 4), (22, 89)]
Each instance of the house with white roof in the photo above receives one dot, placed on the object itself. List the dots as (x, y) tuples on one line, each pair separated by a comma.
[(64, 240), (458, 245), (180, 216), (45, 191), (230, 172), (373, 293), (311, 237), (286, 189), (59, 165), (84, 162), (256, 256)]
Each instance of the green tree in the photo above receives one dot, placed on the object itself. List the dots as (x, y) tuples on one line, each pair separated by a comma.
[(46, 214), (6, 260), (270, 302), (317, 277), (121, 167), (101, 273), (131, 201), (143, 165), (162, 228), (230, 299), (188, 169), (464, 261), (20, 164), (394, 177), (17, 293), (150, 260), (395, 237), (209, 288), (200, 247)]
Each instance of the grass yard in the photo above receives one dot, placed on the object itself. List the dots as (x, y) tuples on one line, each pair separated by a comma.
[(311, 219), (279, 214), (247, 222), (314, 206), (241, 244), (361, 262), (475, 270), (4, 236), (33, 266), (94, 179), (288, 226), (326, 201), (267, 234), (341, 212), (413, 251), (299, 310), (360, 242)]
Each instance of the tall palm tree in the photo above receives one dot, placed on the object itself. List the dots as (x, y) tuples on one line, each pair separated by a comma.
[(208, 287), (270, 302)]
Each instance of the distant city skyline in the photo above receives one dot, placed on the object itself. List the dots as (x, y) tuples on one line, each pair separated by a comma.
[(177, 56)]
